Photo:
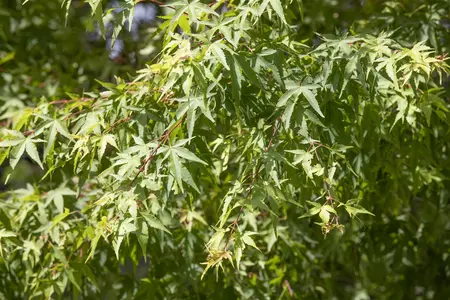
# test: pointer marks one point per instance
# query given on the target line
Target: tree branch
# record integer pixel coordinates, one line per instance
(149, 159)
(250, 188)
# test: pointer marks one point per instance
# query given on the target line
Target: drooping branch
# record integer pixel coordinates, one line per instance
(250, 188)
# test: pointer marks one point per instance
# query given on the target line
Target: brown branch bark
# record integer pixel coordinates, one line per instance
(150, 158)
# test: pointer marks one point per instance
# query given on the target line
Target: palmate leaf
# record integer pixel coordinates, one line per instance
(105, 140)
(248, 240)
(56, 126)
(57, 197)
(306, 91)
(20, 145)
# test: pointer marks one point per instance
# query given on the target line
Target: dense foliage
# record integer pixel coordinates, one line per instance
(249, 159)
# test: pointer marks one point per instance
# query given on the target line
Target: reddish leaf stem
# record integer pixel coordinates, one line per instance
(149, 159)
(275, 130)
(118, 122)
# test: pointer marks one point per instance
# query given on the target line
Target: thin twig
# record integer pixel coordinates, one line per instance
(118, 122)
(287, 286)
(62, 101)
(248, 48)
(74, 114)
(149, 159)
(250, 188)
(65, 101)
(275, 130)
